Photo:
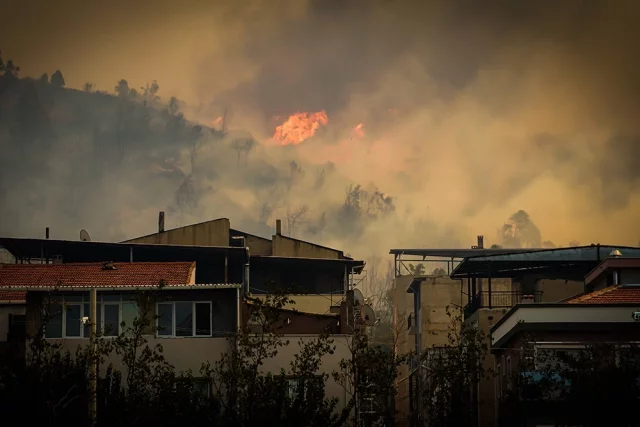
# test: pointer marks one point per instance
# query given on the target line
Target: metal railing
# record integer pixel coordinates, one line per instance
(500, 299)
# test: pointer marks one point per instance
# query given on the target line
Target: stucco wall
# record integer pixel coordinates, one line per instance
(558, 290)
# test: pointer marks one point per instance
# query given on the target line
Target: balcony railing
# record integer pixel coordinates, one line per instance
(500, 299)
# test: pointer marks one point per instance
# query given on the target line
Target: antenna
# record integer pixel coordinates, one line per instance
(84, 236)
(368, 315)
(358, 298)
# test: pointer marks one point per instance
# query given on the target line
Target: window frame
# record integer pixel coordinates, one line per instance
(173, 335)
(82, 300)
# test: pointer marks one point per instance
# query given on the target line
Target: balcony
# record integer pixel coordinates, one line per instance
(500, 299)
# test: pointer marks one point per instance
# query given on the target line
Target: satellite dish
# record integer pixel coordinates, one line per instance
(368, 315)
(84, 236)
(358, 298)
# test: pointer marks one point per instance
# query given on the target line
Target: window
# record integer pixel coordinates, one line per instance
(65, 315)
(298, 387)
(184, 319)
(202, 387)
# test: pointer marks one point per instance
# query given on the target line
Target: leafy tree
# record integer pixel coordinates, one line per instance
(88, 87)
(417, 270)
(368, 377)
(8, 69)
(57, 79)
(596, 385)
(450, 374)
(44, 78)
(122, 89)
(173, 108)
(150, 92)
(250, 397)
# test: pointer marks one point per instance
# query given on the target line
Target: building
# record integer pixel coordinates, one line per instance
(434, 292)
(607, 311)
(195, 319)
(318, 274)
(484, 284)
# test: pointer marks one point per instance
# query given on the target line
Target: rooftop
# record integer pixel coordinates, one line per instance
(455, 253)
(610, 295)
(95, 274)
(612, 262)
(571, 263)
(12, 296)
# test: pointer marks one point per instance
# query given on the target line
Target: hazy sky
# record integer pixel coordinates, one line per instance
(497, 105)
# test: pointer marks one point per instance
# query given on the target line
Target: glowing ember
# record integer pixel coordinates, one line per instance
(358, 131)
(300, 126)
(217, 122)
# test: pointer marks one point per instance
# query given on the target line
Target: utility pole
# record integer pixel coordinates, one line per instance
(93, 372)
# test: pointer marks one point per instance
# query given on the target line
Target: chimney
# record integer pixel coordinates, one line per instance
(480, 242)
(161, 222)
(278, 227)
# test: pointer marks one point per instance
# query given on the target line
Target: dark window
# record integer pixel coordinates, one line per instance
(203, 319)
(54, 326)
(165, 319)
(73, 325)
(111, 320)
(184, 319)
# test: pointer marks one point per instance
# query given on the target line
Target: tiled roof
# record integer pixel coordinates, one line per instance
(12, 296)
(610, 295)
(95, 275)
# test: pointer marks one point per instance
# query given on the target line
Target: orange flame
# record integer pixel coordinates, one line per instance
(299, 126)
(358, 131)
(217, 122)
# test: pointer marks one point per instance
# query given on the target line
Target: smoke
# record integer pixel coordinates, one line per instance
(470, 110)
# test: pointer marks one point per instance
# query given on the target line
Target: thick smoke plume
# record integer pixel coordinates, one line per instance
(443, 119)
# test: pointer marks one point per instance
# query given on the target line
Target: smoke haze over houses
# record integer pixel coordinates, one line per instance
(443, 119)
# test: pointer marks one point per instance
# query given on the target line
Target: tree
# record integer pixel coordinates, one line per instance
(417, 270)
(57, 79)
(249, 397)
(9, 69)
(294, 218)
(243, 147)
(150, 92)
(368, 377)
(172, 107)
(44, 78)
(122, 89)
(591, 385)
(88, 87)
(450, 375)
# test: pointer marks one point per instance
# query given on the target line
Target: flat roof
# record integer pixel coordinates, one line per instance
(612, 262)
(571, 263)
(77, 251)
(455, 253)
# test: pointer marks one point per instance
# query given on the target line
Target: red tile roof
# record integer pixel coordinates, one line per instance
(94, 275)
(12, 296)
(610, 295)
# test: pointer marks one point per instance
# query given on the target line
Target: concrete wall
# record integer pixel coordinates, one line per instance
(437, 294)
(210, 233)
(5, 311)
(558, 290)
(485, 319)
(286, 247)
(316, 304)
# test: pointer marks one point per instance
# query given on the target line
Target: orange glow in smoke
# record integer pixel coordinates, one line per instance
(217, 122)
(358, 131)
(299, 126)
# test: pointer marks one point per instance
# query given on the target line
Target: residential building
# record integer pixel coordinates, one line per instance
(437, 294)
(606, 312)
(195, 319)
(320, 276)
(484, 284)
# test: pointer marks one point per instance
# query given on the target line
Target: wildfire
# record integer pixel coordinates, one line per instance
(358, 131)
(299, 126)
(216, 122)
